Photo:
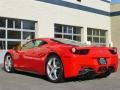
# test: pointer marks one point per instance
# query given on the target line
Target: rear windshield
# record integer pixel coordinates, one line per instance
(68, 41)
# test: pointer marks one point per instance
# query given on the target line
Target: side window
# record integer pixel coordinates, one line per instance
(29, 45)
(38, 43)
(32, 44)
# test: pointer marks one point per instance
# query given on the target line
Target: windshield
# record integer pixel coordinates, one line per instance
(70, 42)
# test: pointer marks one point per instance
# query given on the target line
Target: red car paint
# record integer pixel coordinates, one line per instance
(34, 59)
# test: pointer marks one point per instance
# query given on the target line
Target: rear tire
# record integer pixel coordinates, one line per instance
(54, 69)
(8, 64)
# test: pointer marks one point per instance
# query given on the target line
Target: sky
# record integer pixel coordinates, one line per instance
(116, 1)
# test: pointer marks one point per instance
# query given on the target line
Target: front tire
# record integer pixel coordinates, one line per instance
(54, 69)
(8, 65)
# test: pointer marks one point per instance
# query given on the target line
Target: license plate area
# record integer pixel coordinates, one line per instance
(102, 61)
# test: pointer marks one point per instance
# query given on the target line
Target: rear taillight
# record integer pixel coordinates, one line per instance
(80, 51)
(113, 50)
(73, 50)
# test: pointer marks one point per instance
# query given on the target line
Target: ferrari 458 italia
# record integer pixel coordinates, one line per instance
(62, 58)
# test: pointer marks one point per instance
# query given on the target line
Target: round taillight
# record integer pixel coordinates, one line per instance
(74, 50)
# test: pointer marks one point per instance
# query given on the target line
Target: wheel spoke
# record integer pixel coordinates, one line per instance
(6, 65)
(9, 65)
(55, 74)
(9, 62)
(57, 67)
(50, 72)
(49, 66)
(54, 62)
(49, 69)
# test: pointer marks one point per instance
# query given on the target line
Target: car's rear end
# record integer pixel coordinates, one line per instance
(90, 60)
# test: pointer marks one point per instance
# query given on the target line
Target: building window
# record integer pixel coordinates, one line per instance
(2, 34)
(68, 32)
(15, 31)
(18, 24)
(2, 45)
(14, 34)
(96, 36)
(28, 25)
(2, 22)
(10, 23)
(13, 44)
(28, 35)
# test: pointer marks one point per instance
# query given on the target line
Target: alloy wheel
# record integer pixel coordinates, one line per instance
(54, 69)
(8, 63)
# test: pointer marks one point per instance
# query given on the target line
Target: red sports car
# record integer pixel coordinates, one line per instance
(62, 58)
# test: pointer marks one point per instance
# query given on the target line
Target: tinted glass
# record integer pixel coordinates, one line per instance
(2, 22)
(38, 43)
(77, 30)
(29, 45)
(2, 45)
(14, 34)
(29, 25)
(102, 33)
(58, 28)
(96, 39)
(18, 24)
(77, 38)
(89, 31)
(28, 35)
(70, 29)
(58, 35)
(68, 36)
(10, 23)
(13, 44)
(89, 39)
(68, 41)
(102, 40)
(2, 34)
(95, 32)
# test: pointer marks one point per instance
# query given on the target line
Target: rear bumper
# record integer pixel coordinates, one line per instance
(76, 66)
(102, 69)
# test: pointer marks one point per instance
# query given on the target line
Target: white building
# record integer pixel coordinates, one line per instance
(115, 25)
(81, 20)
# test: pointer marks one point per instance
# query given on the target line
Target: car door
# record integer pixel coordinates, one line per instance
(32, 52)
(27, 55)
(38, 53)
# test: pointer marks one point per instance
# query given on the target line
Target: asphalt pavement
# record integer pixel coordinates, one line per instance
(26, 81)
